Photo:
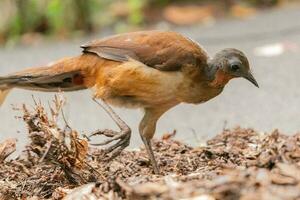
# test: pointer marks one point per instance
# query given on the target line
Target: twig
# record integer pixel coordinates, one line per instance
(49, 143)
(23, 185)
(65, 120)
(99, 174)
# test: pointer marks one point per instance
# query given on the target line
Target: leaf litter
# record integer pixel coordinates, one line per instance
(58, 163)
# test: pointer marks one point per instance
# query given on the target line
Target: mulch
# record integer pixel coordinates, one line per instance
(58, 163)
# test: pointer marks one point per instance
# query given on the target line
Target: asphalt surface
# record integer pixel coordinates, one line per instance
(275, 105)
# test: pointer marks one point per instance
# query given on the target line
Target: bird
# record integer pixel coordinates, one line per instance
(153, 70)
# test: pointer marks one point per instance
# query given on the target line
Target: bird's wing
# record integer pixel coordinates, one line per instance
(166, 51)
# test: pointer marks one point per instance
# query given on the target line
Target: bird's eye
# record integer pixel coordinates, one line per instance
(234, 67)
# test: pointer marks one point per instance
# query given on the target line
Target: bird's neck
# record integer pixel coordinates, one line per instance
(211, 70)
(216, 76)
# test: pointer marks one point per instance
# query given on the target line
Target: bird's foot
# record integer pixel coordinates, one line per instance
(122, 137)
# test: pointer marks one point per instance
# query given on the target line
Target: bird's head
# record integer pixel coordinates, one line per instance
(228, 64)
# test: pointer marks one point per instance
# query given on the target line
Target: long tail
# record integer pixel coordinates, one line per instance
(68, 74)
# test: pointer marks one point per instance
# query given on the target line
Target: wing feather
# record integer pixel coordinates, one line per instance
(166, 51)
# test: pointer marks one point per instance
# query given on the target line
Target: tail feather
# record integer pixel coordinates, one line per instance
(67, 74)
(49, 83)
(64, 75)
(6, 80)
(3, 95)
(67, 81)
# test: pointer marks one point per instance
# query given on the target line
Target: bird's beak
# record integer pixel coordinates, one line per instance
(251, 78)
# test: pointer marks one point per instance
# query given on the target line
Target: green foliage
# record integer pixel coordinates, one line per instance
(55, 14)
(23, 16)
(136, 11)
(62, 17)
(49, 16)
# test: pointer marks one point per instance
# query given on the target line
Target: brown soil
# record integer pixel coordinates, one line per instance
(236, 164)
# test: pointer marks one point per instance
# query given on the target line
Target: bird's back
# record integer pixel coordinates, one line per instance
(163, 50)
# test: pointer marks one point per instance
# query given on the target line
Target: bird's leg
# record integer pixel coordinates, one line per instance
(148, 147)
(123, 136)
(147, 130)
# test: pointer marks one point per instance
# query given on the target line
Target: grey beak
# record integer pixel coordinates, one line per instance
(250, 78)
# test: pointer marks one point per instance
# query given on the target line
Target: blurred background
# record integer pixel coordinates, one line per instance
(27, 20)
(36, 32)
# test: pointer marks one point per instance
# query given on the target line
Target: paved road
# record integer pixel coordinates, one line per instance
(275, 105)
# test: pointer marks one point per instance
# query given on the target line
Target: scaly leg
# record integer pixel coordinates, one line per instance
(123, 136)
(150, 153)
(147, 130)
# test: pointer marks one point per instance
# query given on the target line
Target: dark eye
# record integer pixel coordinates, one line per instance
(234, 67)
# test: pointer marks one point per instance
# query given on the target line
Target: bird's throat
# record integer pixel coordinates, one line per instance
(220, 79)
(217, 77)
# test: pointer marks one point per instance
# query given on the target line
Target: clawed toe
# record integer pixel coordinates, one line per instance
(122, 138)
(112, 151)
(105, 132)
(116, 136)
(116, 151)
(124, 141)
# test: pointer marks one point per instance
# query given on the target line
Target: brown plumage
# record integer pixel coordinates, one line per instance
(154, 70)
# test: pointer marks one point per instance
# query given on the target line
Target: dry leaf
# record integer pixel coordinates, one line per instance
(81, 148)
(283, 180)
(188, 14)
(83, 192)
(289, 170)
(242, 11)
(7, 148)
(201, 197)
